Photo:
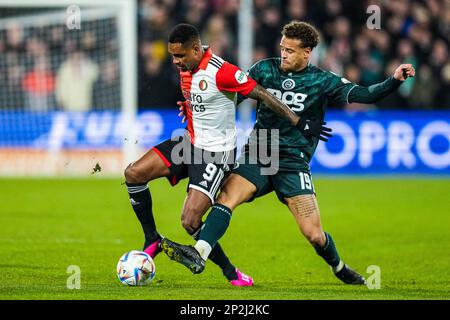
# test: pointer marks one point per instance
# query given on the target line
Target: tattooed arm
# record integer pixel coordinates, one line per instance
(261, 94)
(308, 127)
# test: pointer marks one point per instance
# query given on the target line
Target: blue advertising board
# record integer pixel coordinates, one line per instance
(364, 142)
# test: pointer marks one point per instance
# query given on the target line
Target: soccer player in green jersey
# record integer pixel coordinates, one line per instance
(210, 86)
(306, 89)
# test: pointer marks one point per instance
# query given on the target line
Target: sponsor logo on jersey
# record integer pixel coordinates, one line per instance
(197, 102)
(196, 98)
(240, 76)
(288, 84)
(204, 184)
(290, 98)
(203, 85)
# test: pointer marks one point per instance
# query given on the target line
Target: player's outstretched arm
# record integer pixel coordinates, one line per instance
(308, 127)
(380, 90)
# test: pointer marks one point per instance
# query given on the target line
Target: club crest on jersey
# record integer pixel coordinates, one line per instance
(288, 84)
(203, 85)
(240, 76)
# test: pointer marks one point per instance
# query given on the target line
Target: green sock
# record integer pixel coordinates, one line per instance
(215, 224)
(329, 252)
(219, 257)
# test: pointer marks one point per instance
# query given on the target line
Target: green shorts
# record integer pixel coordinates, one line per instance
(286, 184)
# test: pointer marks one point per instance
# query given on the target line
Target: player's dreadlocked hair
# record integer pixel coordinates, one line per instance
(184, 33)
(302, 31)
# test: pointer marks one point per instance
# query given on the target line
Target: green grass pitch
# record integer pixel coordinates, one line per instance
(401, 225)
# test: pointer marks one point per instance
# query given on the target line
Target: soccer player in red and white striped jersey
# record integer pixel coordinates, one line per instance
(210, 86)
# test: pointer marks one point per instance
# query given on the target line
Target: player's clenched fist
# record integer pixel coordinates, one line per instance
(404, 71)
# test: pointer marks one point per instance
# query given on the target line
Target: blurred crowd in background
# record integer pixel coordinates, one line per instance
(45, 66)
(416, 32)
(48, 67)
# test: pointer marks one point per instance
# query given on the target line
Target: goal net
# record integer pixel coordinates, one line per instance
(67, 86)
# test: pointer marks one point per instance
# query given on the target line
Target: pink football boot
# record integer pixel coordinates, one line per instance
(242, 281)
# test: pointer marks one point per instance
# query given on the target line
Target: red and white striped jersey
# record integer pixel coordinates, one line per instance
(211, 95)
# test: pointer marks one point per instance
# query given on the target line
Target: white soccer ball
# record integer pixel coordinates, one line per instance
(136, 268)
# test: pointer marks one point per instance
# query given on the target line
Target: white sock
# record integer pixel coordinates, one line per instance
(338, 267)
(204, 248)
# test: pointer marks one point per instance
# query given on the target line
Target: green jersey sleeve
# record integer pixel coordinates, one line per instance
(337, 88)
(340, 89)
(373, 93)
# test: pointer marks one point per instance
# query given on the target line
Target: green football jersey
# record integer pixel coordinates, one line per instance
(306, 92)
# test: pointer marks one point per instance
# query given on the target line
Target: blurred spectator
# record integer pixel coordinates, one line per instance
(158, 78)
(439, 55)
(39, 85)
(296, 10)
(56, 40)
(406, 54)
(218, 36)
(14, 39)
(197, 12)
(425, 88)
(74, 82)
(443, 21)
(12, 96)
(268, 33)
(443, 96)
(107, 88)
(12, 70)
(89, 42)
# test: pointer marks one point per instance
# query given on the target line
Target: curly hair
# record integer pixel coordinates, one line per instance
(183, 33)
(306, 33)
